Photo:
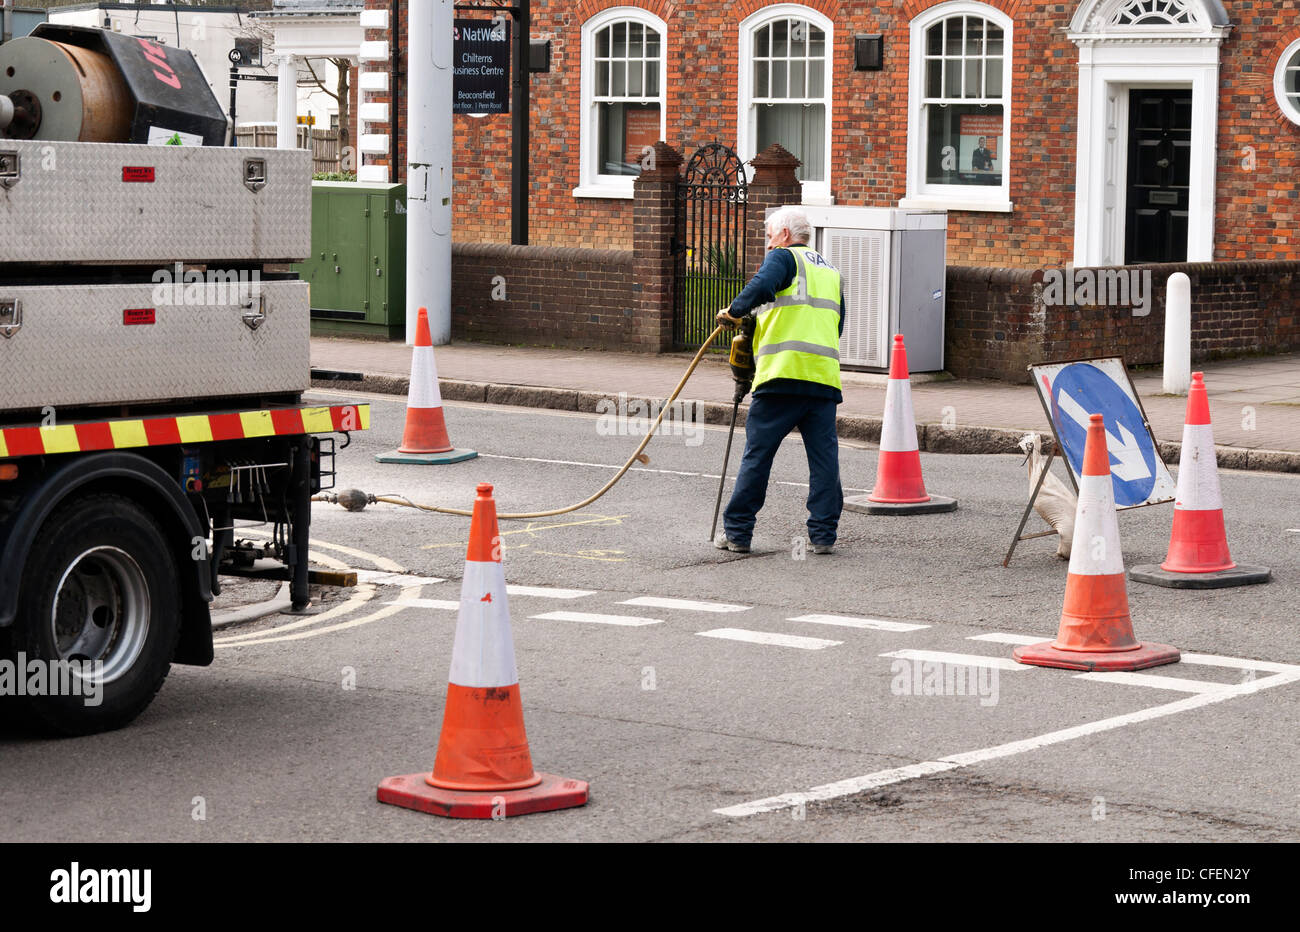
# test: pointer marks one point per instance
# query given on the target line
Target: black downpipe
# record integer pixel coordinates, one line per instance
(519, 130)
(394, 108)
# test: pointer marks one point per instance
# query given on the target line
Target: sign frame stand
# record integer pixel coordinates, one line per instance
(1029, 507)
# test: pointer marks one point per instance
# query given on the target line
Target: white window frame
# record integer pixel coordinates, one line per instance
(1290, 109)
(814, 192)
(591, 182)
(920, 193)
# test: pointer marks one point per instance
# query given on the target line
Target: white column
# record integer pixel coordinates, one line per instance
(1178, 334)
(286, 111)
(428, 178)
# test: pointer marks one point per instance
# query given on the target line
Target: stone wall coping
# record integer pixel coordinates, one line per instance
(543, 253)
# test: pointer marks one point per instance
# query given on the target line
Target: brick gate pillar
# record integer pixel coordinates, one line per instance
(774, 185)
(654, 225)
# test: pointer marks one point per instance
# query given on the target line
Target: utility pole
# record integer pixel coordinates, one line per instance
(428, 166)
(7, 26)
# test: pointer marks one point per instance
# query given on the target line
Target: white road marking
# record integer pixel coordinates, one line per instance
(629, 621)
(359, 597)
(1214, 660)
(385, 612)
(767, 637)
(382, 563)
(1208, 660)
(966, 759)
(544, 592)
(445, 604)
(395, 579)
(849, 621)
(362, 595)
(1127, 678)
(998, 638)
(958, 660)
(690, 605)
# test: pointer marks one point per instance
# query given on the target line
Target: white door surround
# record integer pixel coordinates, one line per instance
(1125, 44)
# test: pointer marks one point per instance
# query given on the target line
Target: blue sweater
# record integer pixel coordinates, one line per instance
(777, 274)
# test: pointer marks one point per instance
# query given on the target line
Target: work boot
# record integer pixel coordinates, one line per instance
(722, 542)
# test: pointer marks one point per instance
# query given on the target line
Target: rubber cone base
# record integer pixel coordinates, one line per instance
(426, 459)
(1239, 575)
(863, 505)
(1146, 655)
(412, 791)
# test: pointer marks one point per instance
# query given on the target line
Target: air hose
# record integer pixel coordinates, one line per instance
(356, 500)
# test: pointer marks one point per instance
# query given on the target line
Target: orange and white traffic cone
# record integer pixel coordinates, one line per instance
(1096, 631)
(899, 488)
(1198, 544)
(483, 768)
(424, 439)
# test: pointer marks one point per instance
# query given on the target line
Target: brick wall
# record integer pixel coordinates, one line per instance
(396, 166)
(1256, 210)
(543, 295)
(998, 321)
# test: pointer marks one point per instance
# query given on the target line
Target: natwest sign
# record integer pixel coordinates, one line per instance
(481, 73)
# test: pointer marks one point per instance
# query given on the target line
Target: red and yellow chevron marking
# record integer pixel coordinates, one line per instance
(192, 428)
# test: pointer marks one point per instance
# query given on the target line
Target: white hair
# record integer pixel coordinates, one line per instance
(792, 219)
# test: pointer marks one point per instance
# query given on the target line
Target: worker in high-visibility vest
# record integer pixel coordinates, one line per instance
(798, 302)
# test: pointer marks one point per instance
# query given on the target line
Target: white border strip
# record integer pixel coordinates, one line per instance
(959, 660)
(849, 621)
(690, 605)
(543, 592)
(767, 637)
(1126, 678)
(627, 621)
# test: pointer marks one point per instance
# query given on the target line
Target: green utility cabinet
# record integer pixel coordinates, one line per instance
(357, 269)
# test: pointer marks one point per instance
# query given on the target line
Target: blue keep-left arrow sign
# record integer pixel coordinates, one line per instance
(1080, 390)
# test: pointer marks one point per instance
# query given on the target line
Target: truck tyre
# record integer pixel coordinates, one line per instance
(100, 584)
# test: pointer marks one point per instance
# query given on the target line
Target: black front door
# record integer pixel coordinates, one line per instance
(1159, 172)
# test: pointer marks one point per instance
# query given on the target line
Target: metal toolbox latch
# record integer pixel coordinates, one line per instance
(255, 174)
(10, 169)
(11, 317)
(255, 312)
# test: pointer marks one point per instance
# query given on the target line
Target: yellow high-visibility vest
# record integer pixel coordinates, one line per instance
(798, 334)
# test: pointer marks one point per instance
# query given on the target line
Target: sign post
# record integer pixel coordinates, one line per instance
(1072, 391)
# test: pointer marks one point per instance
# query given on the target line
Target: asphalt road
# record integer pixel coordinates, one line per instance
(823, 699)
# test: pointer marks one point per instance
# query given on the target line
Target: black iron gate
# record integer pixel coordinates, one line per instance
(711, 212)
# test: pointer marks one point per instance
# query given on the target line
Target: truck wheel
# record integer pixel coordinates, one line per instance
(100, 585)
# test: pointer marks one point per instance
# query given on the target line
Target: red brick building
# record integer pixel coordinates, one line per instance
(1098, 133)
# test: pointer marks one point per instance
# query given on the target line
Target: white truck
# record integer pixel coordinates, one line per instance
(154, 349)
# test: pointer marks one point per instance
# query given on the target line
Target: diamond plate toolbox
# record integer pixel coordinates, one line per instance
(82, 344)
(88, 202)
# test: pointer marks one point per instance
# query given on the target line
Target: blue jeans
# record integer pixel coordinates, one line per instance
(771, 417)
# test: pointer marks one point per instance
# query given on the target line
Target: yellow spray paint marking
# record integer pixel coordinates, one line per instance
(533, 528)
(603, 556)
